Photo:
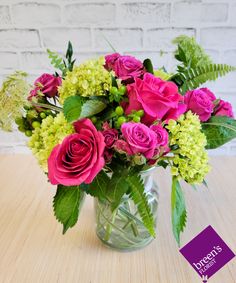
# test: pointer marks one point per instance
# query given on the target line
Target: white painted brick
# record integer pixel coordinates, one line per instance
(91, 13)
(196, 12)
(121, 39)
(12, 137)
(227, 82)
(144, 13)
(230, 57)
(35, 60)
(35, 14)
(214, 55)
(232, 15)
(8, 60)
(57, 37)
(19, 38)
(4, 16)
(218, 37)
(216, 12)
(162, 38)
(83, 56)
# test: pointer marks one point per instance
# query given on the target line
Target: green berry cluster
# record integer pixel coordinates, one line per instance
(31, 121)
(116, 94)
(135, 116)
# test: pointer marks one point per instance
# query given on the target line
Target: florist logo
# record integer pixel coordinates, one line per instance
(207, 253)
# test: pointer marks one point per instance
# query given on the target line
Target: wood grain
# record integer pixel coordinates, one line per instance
(33, 249)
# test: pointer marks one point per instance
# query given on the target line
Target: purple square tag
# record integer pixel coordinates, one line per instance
(207, 252)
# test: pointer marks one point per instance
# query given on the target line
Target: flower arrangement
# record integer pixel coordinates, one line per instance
(95, 126)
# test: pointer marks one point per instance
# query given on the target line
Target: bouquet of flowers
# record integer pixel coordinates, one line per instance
(97, 127)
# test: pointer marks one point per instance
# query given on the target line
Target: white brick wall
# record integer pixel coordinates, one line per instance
(139, 27)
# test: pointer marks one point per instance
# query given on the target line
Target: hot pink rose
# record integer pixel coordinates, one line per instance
(140, 138)
(162, 135)
(128, 67)
(110, 61)
(110, 136)
(224, 108)
(79, 158)
(47, 84)
(159, 99)
(200, 101)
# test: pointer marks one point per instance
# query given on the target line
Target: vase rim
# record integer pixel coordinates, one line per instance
(148, 170)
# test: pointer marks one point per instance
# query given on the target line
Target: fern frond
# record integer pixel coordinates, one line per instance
(192, 78)
(139, 198)
(56, 60)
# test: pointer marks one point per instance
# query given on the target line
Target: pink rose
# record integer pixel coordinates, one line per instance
(128, 68)
(140, 138)
(110, 61)
(47, 84)
(224, 108)
(79, 158)
(162, 135)
(159, 99)
(200, 101)
(110, 136)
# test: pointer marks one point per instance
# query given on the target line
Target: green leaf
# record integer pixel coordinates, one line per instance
(98, 187)
(190, 53)
(196, 66)
(219, 130)
(137, 193)
(72, 108)
(69, 51)
(178, 209)
(117, 186)
(163, 164)
(67, 203)
(92, 107)
(148, 65)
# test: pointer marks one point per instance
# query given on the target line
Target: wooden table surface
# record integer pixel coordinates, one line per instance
(33, 249)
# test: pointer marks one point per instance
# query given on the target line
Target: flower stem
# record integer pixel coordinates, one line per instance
(47, 106)
(109, 226)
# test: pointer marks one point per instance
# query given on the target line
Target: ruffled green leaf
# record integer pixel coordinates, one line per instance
(67, 204)
(219, 130)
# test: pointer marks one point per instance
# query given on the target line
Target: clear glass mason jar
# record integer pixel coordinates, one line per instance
(123, 228)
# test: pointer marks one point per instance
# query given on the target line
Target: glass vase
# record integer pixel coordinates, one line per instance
(123, 229)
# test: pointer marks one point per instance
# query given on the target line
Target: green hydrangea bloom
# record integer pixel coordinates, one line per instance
(190, 160)
(45, 138)
(87, 79)
(13, 96)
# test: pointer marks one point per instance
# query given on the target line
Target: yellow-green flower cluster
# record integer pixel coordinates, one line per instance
(87, 79)
(13, 96)
(51, 133)
(190, 160)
